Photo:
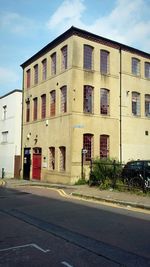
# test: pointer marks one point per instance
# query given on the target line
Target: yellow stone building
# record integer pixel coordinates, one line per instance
(83, 93)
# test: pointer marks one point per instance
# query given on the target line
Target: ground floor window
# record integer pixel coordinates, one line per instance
(62, 163)
(88, 145)
(52, 158)
(104, 146)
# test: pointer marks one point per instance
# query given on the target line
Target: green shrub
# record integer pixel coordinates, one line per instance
(105, 169)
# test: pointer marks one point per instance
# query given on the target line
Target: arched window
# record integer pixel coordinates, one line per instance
(104, 101)
(88, 145)
(88, 57)
(104, 146)
(104, 62)
(135, 103)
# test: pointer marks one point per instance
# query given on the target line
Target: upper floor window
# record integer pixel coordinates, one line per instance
(88, 145)
(44, 69)
(88, 57)
(52, 103)
(135, 66)
(135, 103)
(35, 103)
(4, 112)
(147, 70)
(53, 63)
(64, 51)
(88, 99)
(62, 163)
(104, 62)
(147, 105)
(28, 78)
(52, 158)
(36, 74)
(4, 136)
(104, 146)
(27, 111)
(63, 99)
(104, 101)
(43, 106)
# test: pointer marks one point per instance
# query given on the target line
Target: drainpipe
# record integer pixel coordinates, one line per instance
(22, 155)
(120, 119)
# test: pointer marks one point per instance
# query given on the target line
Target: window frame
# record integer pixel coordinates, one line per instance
(27, 110)
(62, 158)
(44, 69)
(136, 66)
(88, 144)
(88, 52)
(147, 70)
(28, 78)
(136, 107)
(63, 103)
(36, 74)
(147, 105)
(104, 62)
(104, 146)
(104, 96)
(43, 106)
(88, 99)
(53, 63)
(53, 103)
(52, 154)
(64, 57)
(35, 108)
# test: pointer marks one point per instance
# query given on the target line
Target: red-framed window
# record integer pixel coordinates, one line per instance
(104, 101)
(53, 63)
(36, 73)
(27, 111)
(88, 99)
(28, 78)
(147, 70)
(62, 163)
(135, 66)
(88, 145)
(104, 146)
(43, 106)
(104, 61)
(35, 108)
(52, 103)
(44, 69)
(64, 52)
(63, 99)
(88, 57)
(52, 158)
(135, 103)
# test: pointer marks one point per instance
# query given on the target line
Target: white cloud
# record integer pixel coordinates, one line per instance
(128, 22)
(15, 23)
(8, 75)
(68, 13)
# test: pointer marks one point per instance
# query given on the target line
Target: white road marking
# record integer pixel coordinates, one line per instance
(66, 264)
(24, 246)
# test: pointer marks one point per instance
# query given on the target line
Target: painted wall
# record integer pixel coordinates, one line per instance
(68, 129)
(12, 125)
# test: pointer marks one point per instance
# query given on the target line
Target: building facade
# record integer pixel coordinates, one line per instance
(83, 91)
(10, 134)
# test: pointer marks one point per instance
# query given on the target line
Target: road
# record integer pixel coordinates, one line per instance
(40, 226)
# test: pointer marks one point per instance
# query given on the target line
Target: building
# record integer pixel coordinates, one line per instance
(84, 91)
(10, 134)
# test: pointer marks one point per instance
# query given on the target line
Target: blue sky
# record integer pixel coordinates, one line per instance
(28, 25)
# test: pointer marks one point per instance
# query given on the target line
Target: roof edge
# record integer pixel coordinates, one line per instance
(85, 34)
(11, 92)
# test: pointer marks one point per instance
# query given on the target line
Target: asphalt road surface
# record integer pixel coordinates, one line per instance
(46, 227)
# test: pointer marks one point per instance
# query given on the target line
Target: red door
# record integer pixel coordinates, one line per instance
(36, 169)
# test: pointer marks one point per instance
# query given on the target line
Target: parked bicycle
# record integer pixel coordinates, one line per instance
(139, 182)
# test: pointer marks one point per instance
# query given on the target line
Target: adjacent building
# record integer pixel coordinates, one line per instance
(10, 134)
(83, 91)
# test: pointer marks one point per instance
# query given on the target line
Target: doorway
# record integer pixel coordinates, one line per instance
(26, 163)
(36, 166)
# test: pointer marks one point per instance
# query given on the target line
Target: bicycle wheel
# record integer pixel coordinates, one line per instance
(136, 183)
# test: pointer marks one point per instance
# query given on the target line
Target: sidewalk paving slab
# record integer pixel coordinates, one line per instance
(86, 192)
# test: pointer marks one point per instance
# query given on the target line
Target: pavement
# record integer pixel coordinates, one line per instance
(91, 193)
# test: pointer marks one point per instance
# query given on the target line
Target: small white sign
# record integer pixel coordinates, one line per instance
(84, 151)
